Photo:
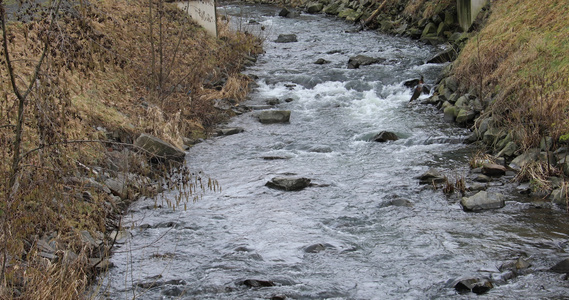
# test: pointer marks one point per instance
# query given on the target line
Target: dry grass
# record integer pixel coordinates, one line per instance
(97, 74)
(521, 58)
(423, 9)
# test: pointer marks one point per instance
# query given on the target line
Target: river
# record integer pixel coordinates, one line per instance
(340, 238)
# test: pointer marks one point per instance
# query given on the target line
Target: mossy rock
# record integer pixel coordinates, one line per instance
(465, 115)
(332, 9)
(450, 113)
(314, 7)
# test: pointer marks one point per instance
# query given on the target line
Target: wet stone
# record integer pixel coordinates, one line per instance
(288, 183)
(316, 248)
(561, 267)
(256, 283)
(173, 292)
(493, 170)
(474, 285)
(385, 136)
(286, 38)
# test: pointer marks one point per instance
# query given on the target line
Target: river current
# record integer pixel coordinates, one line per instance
(368, 249)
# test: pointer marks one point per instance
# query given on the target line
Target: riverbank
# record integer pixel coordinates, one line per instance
(364, 227)
(89, 80)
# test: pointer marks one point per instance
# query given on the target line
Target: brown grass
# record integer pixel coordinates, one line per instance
(521, 58)
(97, 74)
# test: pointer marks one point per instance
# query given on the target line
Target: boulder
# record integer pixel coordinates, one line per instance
(284, 12)
(332, 9)
(350, 15)
(286, 38)
(515, 265)
(256, 283)
(273, 101)
(464, 116)
(492, 135)
(411, 83)
(318, 248)
(314, 7)
(274, 116)
(559, 197)
(385, 136)
(288, 183)
(362, 60)
(159, 148)
(522, 160)
(493, 169)
(229, 131)
(321, 61)
(474, 285)
(396, 202)
(561, 267)
(450, 113)
(482, 201)
(508, 150)
(482, 178)
(432, 176)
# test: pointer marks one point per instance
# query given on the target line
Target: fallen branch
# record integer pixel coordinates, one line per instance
(373, 15)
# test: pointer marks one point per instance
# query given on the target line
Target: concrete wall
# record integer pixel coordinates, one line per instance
(204, 12)
(467, 10)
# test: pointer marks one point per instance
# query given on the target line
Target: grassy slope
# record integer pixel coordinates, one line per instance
(98, 74)
(521, 60)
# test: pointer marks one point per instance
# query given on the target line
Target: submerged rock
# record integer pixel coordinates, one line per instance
(482, 201)
(254, 283)
(229, 131)
(432, 176)
(362, 60)
(321, 61)
(561, 267)
(288, 183)
(274, 116)
(474, 285)
(385, 136)
(318, 248)
(286, 38)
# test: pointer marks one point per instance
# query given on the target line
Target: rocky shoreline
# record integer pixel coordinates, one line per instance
(484, 187)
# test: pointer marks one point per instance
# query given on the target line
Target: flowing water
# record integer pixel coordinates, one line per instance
(368, 249)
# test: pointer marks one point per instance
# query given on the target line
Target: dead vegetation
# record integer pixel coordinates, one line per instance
(76, 86)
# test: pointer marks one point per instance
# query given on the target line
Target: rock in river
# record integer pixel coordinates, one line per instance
(475, 285)
(432, 176)
(288, 183)
(385, 136)
(561, 267)
(286, 38)
(362, 60)
(482, 200)
(274, 116)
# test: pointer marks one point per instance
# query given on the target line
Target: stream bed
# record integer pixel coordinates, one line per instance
(344, 237)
